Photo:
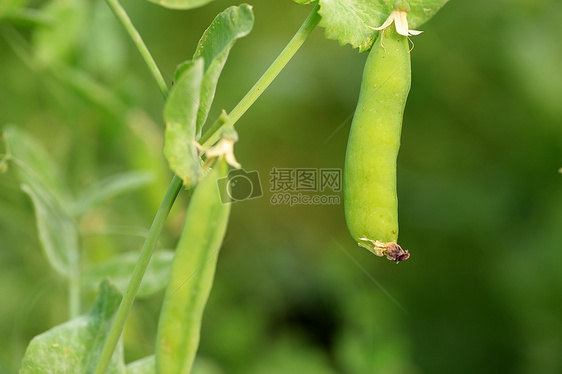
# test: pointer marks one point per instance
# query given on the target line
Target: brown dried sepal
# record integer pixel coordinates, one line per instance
(391, 250)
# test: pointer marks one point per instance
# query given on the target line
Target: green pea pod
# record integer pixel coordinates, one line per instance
(371, 204)
(192, 275)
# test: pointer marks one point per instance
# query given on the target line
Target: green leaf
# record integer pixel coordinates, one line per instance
(347, 20)
(109, 188)
(35, 165)
(181, 4)
(119, 269)
(214, 46)
(423, 10)
(41, 180)
(75, 346)
(57, 231)
(180, 114)
(194, 89)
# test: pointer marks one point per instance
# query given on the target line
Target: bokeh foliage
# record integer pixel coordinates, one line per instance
(480, 195)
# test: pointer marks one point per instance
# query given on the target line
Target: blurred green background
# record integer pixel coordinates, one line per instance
(478, 182)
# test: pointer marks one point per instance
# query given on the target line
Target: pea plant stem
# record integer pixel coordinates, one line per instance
(138, 273)
(213, 133)
(122, 16)
(208, 138)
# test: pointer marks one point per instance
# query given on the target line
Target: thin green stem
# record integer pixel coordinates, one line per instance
(161, 215)
(213, 133)
(135, 36)
(138, 273)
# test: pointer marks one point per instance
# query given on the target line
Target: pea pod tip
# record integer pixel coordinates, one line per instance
(396, 253)
(391, 250)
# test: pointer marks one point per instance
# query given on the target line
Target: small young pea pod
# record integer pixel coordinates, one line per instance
(371, 204)
(192, 275)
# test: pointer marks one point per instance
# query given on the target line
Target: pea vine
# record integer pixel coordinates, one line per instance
(199, 150)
